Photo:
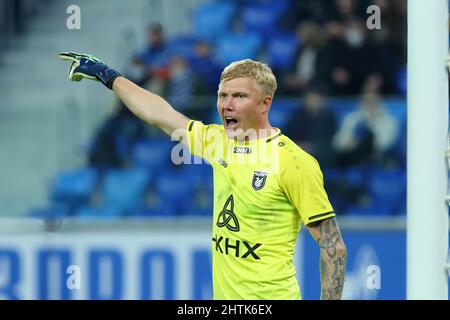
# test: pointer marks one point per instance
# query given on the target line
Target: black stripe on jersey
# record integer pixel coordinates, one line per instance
(274, 137)
(320, 215)
(190, 125)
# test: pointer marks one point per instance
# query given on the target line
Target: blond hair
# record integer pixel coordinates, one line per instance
(260, 72)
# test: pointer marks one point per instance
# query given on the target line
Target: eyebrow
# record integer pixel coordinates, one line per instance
(234, 93)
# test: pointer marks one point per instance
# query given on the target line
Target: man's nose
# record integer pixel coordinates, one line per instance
(229, 103)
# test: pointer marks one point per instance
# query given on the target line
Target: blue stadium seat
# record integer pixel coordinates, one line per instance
(289, 105)
(332, 174)
(212, 20)
(281, 50)
(355, 176)
(342, 107)
(107, 211)
(280, 111)
(122, 191)
(73, 188)
(388, 187)
(279, 118)
(260, 18)
(152, 153)
(174, 187)
(196, 209)
(238, 46)
(182, 45)
(125, 188)
(197, 174)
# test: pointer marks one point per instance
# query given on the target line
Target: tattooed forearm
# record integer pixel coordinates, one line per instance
(333, 257)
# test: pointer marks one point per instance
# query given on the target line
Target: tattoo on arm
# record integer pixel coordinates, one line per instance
(333, 257)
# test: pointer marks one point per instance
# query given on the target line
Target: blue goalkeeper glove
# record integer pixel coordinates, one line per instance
(89, 67)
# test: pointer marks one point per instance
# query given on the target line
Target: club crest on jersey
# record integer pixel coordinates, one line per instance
(259, 180)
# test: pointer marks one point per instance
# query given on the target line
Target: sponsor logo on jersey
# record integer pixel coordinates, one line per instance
(244, 150)
(229, 246)
(227, 218)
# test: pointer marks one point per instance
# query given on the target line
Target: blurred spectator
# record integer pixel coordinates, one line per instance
(344, 10)
(180, 90)
(114, 138)
(366, 135)
(391, 43)
(154, 60)
(180, 87)
(351, 58)
(308, 61)
(206, 69)
(313, 126)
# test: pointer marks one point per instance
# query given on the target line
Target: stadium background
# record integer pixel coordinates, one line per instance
(84, 183)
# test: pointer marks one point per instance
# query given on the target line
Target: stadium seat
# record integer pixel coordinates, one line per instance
(151, 153)
(260, 18)
(212, 20)
(174, 187)
(388, 187)
(280, 111)
(342, 107)
(182, 45)
(281, 50)
(125, 188)
(73, 188)
(121, 192)
(197, 174)
(238, 46)
(194, 208)
(107, 211)
(355, 176)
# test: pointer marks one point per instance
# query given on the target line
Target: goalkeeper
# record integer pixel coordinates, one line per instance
(265, 186)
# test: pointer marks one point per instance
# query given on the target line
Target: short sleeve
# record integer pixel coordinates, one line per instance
(302, 181)
(204, 141)
(195, 132)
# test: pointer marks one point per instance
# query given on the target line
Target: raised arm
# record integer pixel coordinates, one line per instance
(149, 107)
(333, 257)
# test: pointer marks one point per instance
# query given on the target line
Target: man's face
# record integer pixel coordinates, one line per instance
(241, 105)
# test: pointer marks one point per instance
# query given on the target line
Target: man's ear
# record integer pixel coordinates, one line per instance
(265, 104)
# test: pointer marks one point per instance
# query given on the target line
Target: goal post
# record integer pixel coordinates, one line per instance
(427, 132)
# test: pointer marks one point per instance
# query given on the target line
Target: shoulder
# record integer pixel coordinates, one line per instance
(198, 125)
(293, 156)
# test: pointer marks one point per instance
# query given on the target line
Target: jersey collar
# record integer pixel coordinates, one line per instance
(268, 139)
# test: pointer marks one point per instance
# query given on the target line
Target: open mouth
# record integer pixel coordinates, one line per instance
(231, 122)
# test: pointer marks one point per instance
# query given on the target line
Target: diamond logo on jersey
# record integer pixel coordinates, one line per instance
(227, 218)
(259, 180)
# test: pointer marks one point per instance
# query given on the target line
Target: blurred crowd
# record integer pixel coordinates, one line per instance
(329, 44)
